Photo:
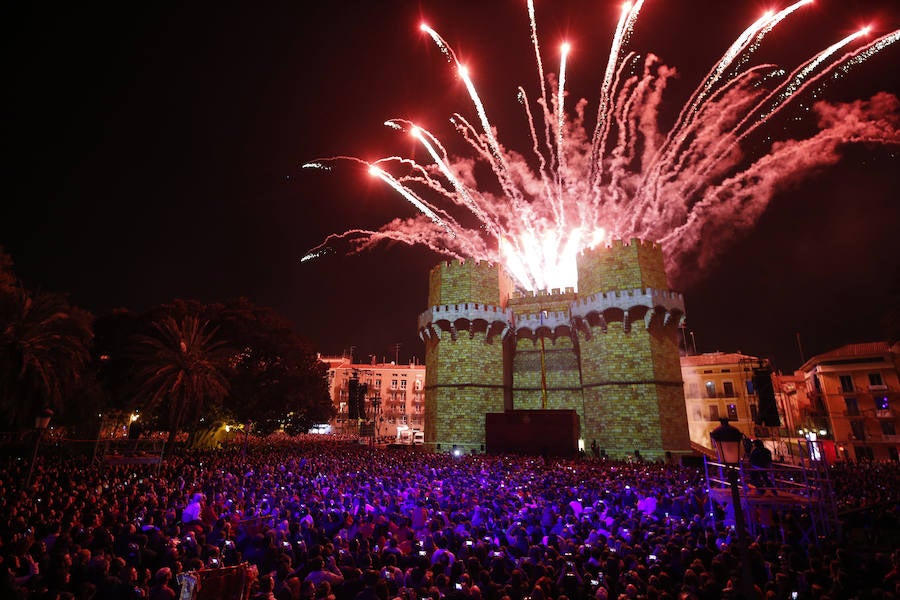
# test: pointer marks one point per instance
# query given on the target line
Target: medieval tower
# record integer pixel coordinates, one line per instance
(608, 353)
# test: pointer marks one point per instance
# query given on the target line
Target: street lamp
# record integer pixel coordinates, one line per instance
(729, 441)
(41, 423)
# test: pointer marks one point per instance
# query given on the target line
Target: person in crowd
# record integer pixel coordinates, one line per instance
(341, 521)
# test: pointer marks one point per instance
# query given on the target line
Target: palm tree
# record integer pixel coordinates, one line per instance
(180, 369)
(44, 351)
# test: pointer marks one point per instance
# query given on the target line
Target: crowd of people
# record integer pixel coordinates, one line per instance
(318, 520)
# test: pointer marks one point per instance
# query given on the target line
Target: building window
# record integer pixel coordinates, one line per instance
(750, 389)
(888, 428)
(401, 408)
(378, 383)
(713, 413)
(693, 390)
(402, 384)
(859, 430)
(846, 383)
(393, 384)
(875, 379)
(710, 389)
(728, 389)
(852, 407)
(418, 384)
(732, 412)
(698, 413)
(881, 403)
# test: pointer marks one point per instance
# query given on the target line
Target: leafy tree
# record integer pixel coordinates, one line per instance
(179, 367)
(276, 377)
(114, 339)
(44, 350)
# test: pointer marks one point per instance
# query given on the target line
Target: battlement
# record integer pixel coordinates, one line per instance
(622, 265)
(671, 302)
(466, 264)
(474, 281)
(568, 293)
(619, 243)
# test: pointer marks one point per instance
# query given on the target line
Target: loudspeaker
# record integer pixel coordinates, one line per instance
(353, 406)
(768, 409)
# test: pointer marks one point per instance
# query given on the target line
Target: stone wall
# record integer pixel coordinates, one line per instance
(621, 266)
(620, 371)
(463, 382)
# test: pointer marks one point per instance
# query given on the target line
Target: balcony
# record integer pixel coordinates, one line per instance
(886, 413)
(878, 388)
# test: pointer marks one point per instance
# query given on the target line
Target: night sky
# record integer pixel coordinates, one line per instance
(156, 153)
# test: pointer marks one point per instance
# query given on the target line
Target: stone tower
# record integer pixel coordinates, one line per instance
(627, 322)
(464, 330)
(609, 352)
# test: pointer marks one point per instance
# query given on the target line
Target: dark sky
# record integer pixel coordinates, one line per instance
(156, 154)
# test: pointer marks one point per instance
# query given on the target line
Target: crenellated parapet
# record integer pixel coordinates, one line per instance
(547, 323)
(664, 306)
(457, 282)
(621, 266)
(471, 317)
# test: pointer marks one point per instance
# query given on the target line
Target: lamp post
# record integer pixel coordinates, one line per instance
(376, 411)
(729, 441)
(41, 422)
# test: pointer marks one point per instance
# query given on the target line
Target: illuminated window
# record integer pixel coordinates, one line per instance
(710, 389)
(881, 403)
(732, 412)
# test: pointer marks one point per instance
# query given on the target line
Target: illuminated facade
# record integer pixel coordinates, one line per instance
(393, 396)
(609, 352)
(717, 385)
(854, 394)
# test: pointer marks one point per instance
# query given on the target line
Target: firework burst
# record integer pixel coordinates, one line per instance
(584, 181)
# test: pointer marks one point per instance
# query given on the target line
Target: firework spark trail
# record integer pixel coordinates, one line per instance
(535, 147)
(429, 141)
(796, 79)
(739, 195)
(622, 175)
(543, 87)
(742, 59)
(623, 32)
(413, 199)
(797, 82)
(739, 52)
(560, 113)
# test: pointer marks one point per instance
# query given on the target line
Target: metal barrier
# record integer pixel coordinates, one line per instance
(768, 495)
(223, 583)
